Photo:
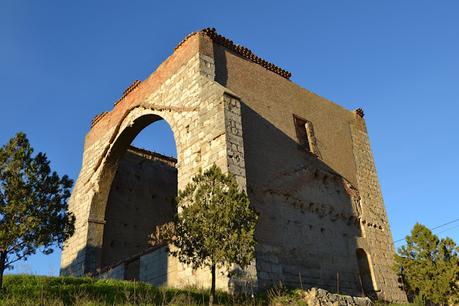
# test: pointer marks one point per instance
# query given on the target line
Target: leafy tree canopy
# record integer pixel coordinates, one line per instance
(33, 203)
(215, 224)
(429, 266)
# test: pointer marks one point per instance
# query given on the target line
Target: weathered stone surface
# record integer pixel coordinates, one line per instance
(116, 273)
(142, 196)
(320, 297)
(322, 219)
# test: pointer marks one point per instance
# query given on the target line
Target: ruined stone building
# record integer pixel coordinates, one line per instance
(305, 162)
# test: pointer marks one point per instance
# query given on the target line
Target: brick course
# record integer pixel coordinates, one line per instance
(317, 209)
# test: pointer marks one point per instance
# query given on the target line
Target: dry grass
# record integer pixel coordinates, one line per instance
(33, 290)
(29, 290)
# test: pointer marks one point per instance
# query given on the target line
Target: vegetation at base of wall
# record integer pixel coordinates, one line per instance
(215, 225)
(34, 290)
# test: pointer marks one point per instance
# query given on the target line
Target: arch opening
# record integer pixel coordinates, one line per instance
(365, 273)
(138, 192)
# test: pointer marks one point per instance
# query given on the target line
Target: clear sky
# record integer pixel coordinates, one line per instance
(62, 62)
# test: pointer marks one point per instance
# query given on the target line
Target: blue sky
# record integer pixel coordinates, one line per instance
(62, 62)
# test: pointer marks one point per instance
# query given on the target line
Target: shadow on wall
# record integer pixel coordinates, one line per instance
(221, 71)
(78, 266)
(142, 196)
(309, 214)
(308, 222)
(365, 272)
(150, 266)
(137, 191)
(308, 225)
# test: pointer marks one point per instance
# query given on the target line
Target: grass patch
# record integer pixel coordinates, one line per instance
(32, 290)
(35, 290)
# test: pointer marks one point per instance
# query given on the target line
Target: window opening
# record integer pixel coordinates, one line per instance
(305, 134)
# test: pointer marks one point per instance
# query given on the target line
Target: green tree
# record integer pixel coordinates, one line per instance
(429, 266)
(215, 224)
(33, 204)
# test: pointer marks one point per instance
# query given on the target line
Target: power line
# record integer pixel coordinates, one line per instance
(445, 230)
(445, 224)
(436, 227)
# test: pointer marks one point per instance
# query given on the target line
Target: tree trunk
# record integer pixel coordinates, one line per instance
(2, 267)
(212, 289)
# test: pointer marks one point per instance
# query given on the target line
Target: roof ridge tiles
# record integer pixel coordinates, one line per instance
(238, 49)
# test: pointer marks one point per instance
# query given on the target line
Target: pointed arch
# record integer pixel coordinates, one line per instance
(365, 272)
(129, 128)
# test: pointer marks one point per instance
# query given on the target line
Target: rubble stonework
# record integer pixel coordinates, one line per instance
(322, 219)
(320, 297)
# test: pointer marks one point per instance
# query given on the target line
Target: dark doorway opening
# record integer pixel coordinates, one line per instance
(365, 273)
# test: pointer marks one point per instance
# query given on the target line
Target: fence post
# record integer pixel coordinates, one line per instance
(301, 282)
(337, 282)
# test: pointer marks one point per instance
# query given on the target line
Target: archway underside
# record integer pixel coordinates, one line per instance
(137, 190)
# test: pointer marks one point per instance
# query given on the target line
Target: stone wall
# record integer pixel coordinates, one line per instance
(116, 272)
(319, 297)
(312, 217)
(376, 237)
(317, 208)
(155, 266)
(308, 206)
(183, 93)
(142, 196)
